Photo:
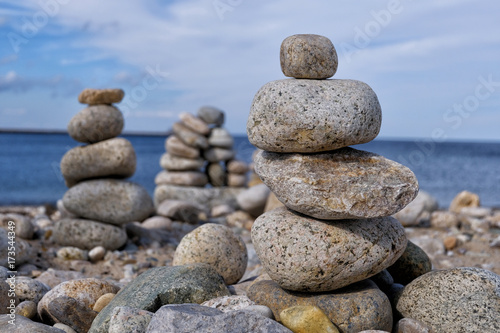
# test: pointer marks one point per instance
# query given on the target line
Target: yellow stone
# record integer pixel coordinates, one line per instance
(307, 319)
(103, 301)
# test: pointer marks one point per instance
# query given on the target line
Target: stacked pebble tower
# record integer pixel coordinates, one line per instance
(199, 152)
(98, 197)
(336, 227)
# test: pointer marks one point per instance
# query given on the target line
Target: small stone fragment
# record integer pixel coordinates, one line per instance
(26, 309)
(179, 210)
(175, 146)
(464, 199)
(97, 253)
(184, 178)
(194, 123)
(220, 137)
(175, 163)
(307, 318)
(127, 319)
(100, 96)
(211, 115)
(103, 301)
(189, 137)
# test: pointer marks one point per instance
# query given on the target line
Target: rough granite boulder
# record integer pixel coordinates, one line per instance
(305, 254)
(309, 116)
(341, 184)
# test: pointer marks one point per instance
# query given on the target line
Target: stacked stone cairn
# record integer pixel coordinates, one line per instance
(336, 229)
(98, 197)
(199, 153)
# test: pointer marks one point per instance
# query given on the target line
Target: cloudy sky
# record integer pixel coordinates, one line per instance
(435, 65)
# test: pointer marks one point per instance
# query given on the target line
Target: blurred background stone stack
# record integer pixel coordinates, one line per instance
(99, 201)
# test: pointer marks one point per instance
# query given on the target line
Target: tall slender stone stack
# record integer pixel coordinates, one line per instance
(335, 229)
(94, 172)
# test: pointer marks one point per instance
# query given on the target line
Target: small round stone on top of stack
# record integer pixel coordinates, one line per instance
(336, 227)
(101, 202)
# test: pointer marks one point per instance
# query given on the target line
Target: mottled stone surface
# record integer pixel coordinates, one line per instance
(218, 154)
(220, 137)
(179, 210)
(87, 234)
(310, 116)
(216, 174)
(465, 299)
(229, 303)
(22, 224)
(109, 200)
(207, 197)
(307, 318)
(189, 137)
(112, 158)
(100, 96)
(71, 253)
(408, 325)
(171, 162)
(127, 319)
(96, 123)
(342, 184)
(358, 307)
(175, 146)
(211, 115)
(25, 308)
(52, 277)
(410, 265)
(305, 254)
(195, 283)
(24, 251)
(23, 324)
(194, 123)
(28, 289)
(86, 291)
(71, 312)
(308, 56)
(464, 199)
(197, 318)
(185, 178)
(216, 245)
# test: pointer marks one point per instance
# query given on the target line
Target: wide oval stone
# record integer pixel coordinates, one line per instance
(360, 306)
(308, 56)
(96, 123)
(341, 184)
(185, 178)
(101, 96)
(308, 116)
(464, 299)
(87, 234)
(172, 162)
(109, 200)
(113, 157)
(305, 254)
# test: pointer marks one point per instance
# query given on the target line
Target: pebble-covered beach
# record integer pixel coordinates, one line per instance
(313, 236)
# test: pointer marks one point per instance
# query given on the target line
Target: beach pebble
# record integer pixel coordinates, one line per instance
(194, 283)
(179, 210)
(216, 174)
(444, 220)
(26, 309)
(100, 96)
(175, 163)
(189, 137)
(216, 245)
(211, 115)
(27, 289)
(429, 245)
(113, 158)
(360, 306)
(84, 291)
(421, 206)
(205, 197)
(464, 199)
(23, 249)
(307, 318)
(194, 123)
(239, 219)
(308, 116)
(72, 312)
(477, 212)
(328, 254)
(157, 222)
(24, 324)
(220, 137)
(96, 123)
(218, 154)
(383, 279)
(237, 167)
(229, 303)
(464, 299)
(185, 178)
(409, 325)
(221, 210)
(87, 234)
(236, 180)
(52, 277)
(272, 202)
(197, 318)
(342, 184)
(308, 56)
(127, 319)
(103, 301)
(22, 225)
(253, 200)
(71, 253)
(109, 201)
(261, 310)
(97, 253)
(64, 328)
(413, 263)
(176, 147)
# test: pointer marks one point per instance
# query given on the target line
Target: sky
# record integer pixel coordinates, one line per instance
(434, 65)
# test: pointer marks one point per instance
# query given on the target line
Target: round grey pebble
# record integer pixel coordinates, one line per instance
(96, 123)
